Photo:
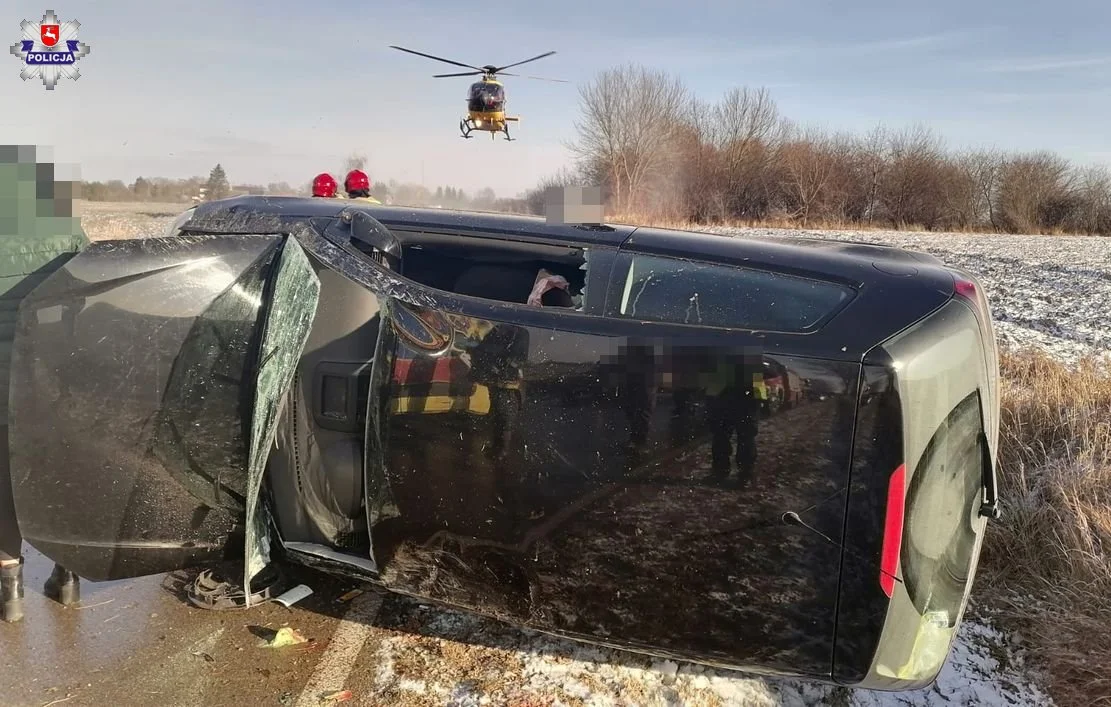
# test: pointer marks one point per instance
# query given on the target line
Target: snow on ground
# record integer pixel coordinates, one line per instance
(1050, 292)
(462, 660)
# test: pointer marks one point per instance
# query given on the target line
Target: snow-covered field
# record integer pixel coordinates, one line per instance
(1051, 292)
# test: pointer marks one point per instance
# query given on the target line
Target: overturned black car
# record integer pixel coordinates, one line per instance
(776, 455)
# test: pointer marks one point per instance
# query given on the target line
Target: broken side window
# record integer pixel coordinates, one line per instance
(679, 291)
(529, 274)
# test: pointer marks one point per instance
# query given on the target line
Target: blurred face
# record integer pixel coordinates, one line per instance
(36, 196)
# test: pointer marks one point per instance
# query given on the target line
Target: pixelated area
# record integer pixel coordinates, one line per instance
(662, 362)
(574, 205)
(37, 196)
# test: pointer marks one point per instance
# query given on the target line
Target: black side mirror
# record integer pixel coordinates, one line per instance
(360, 233)
(367, 229)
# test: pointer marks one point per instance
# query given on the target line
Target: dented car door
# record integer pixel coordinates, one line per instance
(137, 414)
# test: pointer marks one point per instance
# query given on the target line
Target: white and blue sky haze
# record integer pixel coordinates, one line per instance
(282, 90)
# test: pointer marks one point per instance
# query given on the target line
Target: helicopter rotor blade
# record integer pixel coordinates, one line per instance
(437, 58)
(539, 56)
(542, 78)
(465, 73)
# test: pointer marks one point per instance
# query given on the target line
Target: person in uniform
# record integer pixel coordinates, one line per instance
(734, 392)
(38, 234)
(324, 186)
(357, 186)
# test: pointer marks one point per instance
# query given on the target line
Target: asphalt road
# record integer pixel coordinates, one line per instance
(138, 642)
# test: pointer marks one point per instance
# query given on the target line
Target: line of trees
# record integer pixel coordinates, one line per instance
(217, 186)
(659, 152)
(170, 191)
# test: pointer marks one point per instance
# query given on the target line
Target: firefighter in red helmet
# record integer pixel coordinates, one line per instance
(324, 185)
(357, 186)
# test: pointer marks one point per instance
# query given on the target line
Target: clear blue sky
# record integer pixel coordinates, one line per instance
(281, 90)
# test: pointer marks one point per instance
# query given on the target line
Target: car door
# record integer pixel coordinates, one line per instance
(145, 381)
(570, 486)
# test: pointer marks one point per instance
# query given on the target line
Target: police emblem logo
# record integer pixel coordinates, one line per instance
(49, 50)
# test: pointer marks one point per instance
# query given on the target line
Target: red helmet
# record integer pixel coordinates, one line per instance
(356, 180)
(324, 185)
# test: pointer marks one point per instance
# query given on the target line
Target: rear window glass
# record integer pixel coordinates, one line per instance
(687, 292)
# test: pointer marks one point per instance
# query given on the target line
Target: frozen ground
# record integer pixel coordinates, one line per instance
(1049, 292)
(1045, 291)
(461, 660)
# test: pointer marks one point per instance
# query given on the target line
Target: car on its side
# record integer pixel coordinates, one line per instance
(368, 390)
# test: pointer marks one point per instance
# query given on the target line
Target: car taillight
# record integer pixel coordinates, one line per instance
(968, 290)
(893, 529)
(975, 298)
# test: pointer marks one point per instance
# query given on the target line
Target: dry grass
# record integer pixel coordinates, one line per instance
(1052, 549)
(84, 206)
(112, 224)
(796, 225)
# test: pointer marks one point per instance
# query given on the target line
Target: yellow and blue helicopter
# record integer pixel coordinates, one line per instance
(486, 98)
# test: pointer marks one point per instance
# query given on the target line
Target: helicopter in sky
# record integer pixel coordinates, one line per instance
(486, 98)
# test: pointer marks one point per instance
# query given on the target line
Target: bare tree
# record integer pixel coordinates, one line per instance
(843, 202)
(742, 123)
(743, 116)
(1034, 192)
(1093, 193)
(982, 169)
(698, 166)
(630, 116)
(808, 162)
(913, 183)
(354, 161)
(872, 151)
(959, 192)
(600, 138)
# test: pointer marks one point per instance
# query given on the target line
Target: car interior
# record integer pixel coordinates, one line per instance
(317, 482)
(491, 268)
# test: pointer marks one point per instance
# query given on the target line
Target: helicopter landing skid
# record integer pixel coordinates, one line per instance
(466, 128)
